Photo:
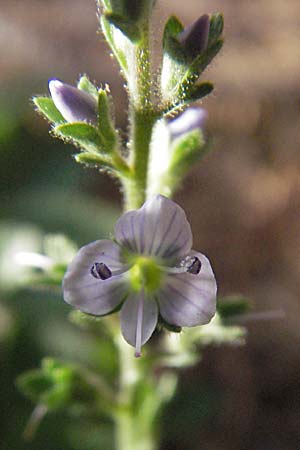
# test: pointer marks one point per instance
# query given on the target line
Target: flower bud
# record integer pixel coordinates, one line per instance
(189, 120)
(75, 105)
(194, 37)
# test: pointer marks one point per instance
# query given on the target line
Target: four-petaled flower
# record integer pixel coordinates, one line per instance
(149, 270)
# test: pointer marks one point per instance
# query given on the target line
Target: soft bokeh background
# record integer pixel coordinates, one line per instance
(243, 202)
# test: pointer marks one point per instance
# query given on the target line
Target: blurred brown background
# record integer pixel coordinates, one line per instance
(243, 200)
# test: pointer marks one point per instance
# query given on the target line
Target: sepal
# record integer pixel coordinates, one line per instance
(118, 42)
(82, 134)
(45, 106)
(216, 28)
(128, 28)
(128, 16)
(198, 91)
(94, 160)
(186, 151)
(106, 122)
(173, 153)
(84, 84)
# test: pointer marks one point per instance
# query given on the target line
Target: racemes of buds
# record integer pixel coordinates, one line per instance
(194, 38)
(191, 119)
(74, 104)
(149, 272)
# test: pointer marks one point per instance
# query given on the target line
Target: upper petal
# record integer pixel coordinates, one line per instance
(188, 300)
(136, 308)
(88, 294)
(159, 228)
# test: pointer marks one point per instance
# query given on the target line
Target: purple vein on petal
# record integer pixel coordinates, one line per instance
(175, 306)
(125, 239)
(166, 232)
(110, 293)
(194, 286)
(173, 248)
(154, 233)
(98, 283)
(142, 230)
(176, 291)
(135, 243)
(139, 325)
(170, 252)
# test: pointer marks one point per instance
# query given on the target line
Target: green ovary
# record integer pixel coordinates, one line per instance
(145, 273)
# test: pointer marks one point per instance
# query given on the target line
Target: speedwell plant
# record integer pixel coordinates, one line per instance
(147, 274)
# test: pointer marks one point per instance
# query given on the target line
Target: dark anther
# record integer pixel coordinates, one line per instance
(194, 266)
(100, 271)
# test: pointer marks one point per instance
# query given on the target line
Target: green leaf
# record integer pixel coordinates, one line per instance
(45, 105)
(82, 134)
(232, 306)
(86, 85)
(34, 384)
(57, 385)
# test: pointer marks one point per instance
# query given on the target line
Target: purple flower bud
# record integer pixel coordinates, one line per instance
(194, 37)
(189, 120)
(74, 104)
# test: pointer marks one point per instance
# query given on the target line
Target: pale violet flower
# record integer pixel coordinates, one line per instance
(150, 271)
(75, 105)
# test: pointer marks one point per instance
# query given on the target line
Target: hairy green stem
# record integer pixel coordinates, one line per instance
(143, 116)
(133, 432)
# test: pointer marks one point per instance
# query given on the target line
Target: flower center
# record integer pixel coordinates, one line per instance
(145, 274)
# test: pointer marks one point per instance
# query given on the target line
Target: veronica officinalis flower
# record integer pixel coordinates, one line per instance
(149, 270)
(74, 104)
(194, 37)
(191, 119)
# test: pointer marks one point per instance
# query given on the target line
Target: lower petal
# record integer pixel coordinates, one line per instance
(139, 316)
(88, 294)
(187, 299)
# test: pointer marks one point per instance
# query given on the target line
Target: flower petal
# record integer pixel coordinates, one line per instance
(132, 313)
(88, 294)
(159, 228)
(187, 299)
(74, 104)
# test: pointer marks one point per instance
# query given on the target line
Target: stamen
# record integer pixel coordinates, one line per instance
(190, 264)
(139, 324)
(100, 271)
(194, 266)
